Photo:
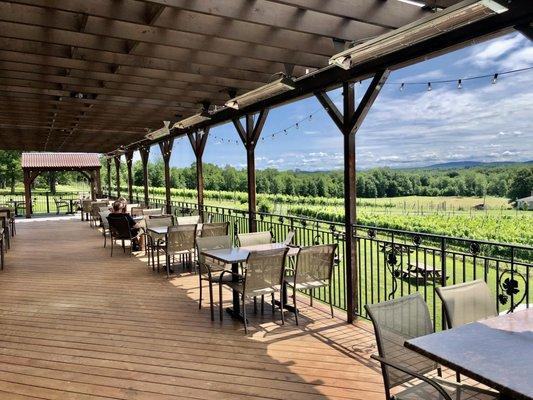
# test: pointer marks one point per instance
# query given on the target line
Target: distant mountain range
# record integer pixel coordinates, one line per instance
(472, 164)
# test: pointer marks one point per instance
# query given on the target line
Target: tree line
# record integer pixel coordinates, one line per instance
(511, 180)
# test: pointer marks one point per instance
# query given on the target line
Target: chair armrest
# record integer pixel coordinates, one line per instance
(429, 381)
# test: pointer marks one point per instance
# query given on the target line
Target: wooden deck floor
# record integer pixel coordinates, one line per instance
(77, 324)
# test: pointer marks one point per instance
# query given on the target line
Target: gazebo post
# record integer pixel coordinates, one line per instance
(249, 137)
(108, 161)
(117, 167)
(129, 164)
(145, 152)
(198, 141)
(92, 184)
(348, 123)
(166, 151)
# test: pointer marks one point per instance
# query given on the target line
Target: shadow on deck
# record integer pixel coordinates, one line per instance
(78, 324)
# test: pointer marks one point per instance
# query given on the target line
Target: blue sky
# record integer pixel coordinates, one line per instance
(413, 127)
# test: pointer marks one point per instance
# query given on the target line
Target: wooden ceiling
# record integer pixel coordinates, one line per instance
(137, 63)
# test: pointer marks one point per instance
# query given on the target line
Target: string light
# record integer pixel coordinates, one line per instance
(459, 84)
(494, 79)
(429, 86)
(402, 86)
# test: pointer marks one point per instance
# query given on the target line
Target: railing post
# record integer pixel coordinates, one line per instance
(47, 203)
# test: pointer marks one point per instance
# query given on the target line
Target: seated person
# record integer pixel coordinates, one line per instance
(118, 213)
(124, 204)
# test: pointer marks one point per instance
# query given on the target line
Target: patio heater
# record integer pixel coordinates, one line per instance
(449, 19)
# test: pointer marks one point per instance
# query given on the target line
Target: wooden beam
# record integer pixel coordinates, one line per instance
(198, 141)
(129, 164)
(166, 152)
(145, 153)
(117, 170)
(250, 136)
(348, 123)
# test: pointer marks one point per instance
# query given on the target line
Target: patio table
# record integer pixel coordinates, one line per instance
(237, 255)
(496, 352)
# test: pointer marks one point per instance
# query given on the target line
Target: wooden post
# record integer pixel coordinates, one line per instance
(92, 183)
(117, 167)
(27, 192)
(108, 177)
(250, 137)
(98, 182)
(129, 164)
(198, 141)
(348, 123)
(166, 151)
(145, 152)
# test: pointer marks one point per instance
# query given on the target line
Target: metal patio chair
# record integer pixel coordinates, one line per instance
(313, 270)
(120, 229)
(181, 241)
(153, 242)
(5, 217)
(96, 207)
(188, 220)
(11, 214)
(289, 238)
(466, 302)
(105, 225)
(254, 238)
(263, 274)
(86, 209)
(208, 270)
(60, 203)
(215, 229)
(1, 249)
(396, 321)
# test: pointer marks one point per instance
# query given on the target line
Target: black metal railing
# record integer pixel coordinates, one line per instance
(42, 202)
(392, 263)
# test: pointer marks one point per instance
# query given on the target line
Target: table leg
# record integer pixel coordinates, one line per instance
(235, 311)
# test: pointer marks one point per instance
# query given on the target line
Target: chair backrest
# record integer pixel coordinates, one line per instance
(152, 211)
(315, 263)
(255, 238)
(119, 227)
(181, 238)
(215, 229)
(137, 211)
(188, 220)
(158, 220)
(467, 302)
(86, 205)
(103, 218)
(396, 321)
(264, 269)
(210, 243)
(289, 238)
(97, 205)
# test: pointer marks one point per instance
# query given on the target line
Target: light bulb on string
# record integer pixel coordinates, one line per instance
(459, 84)
(402, 87)
(429, 86)
(494, 79)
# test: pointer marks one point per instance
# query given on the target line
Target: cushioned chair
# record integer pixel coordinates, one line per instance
(396, 321)
(215, 229)
(209, 270)
(255, 238)
(313, 270)
(263, 274)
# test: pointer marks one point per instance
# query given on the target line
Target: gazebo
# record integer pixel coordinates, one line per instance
(33, 164)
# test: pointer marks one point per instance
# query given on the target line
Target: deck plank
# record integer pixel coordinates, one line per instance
(78, 324)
